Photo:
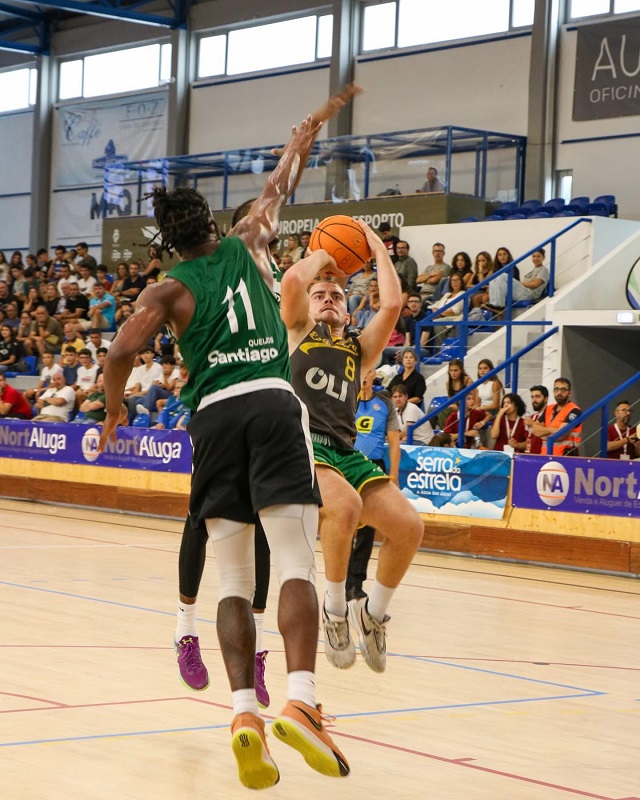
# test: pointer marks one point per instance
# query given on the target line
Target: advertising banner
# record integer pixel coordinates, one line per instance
(464, 483)
(92, 134)
(579, 485)
(134, 448)
(607, 80)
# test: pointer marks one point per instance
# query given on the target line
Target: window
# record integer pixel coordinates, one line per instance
(564, 184)
(263, 47)
(588, 8)
(116, 71)
(18, 89)
(420, 22)
(624, 6)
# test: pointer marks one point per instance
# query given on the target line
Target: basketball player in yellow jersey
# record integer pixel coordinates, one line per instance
(326, 375)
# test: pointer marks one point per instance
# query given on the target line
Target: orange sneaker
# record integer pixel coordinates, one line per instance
(300, 726)
(256, 768)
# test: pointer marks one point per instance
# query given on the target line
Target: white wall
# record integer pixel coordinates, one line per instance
(16, 136)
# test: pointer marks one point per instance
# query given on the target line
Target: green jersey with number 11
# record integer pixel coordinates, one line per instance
(236, 333)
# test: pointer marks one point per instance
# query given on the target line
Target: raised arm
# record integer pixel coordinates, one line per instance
(376, 335)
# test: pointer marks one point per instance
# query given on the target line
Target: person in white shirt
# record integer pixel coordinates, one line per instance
(86, 377)
(86, 282)
(57, 402)
(141, 380)
(96, 341)
(49, 369)
(408, 413)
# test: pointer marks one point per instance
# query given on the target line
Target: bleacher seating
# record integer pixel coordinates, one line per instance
(602, 206)
(529, 207)
(554, 206)
(33, 368)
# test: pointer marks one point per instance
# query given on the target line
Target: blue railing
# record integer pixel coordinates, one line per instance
(603, 405)
(460, 397)
(434, 319)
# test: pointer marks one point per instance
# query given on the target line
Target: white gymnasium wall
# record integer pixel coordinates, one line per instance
(599, 167)
(256, 112)
(16, 136)
(483, 85)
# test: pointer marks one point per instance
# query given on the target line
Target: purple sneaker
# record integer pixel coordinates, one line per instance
(192, 671)
(262, 694)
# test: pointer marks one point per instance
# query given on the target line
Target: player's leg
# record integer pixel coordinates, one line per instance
(191, 562)
(338, 519)
(259, 604)
(387, 510)
(358, 561)
(291, 532)
(234, 552)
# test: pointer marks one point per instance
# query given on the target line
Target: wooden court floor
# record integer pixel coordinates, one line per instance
(503, 682)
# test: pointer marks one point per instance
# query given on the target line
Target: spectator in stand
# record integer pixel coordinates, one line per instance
(502, 258)
(66, 279)
(509, 427)
(4, 267)
(16, 258)
(103, 278)
(56, 403)
(134, 284)
(162, 389)
(123, 313)
(432, 183)
(474, 421)
(460, 265)
(122, 273)
(408, 413)
(433, 274)
(76, 308)
(23, 333)
(406, 267)
(102, 309)
(558, 417)
(59, 260)
(33, 300)
(489, 396)
(5, 295)
(305, 238)
(86, 376)
(532, 287)
(286, 262)
(50, 299)
(457, 379)
(368, 306)
(154, 267)
(42, 257)
(452, 314)
(49, 369)
(539, 398)
(84, 259)
(70, 365)
(19, 286)
(95, 342)
(140, 380)
(92, 409)
(10, 351)
(12, 319)
(86, 281)
(13, 405)
(46, 334)
(411, 379)
(174, 414)
(390, 240)
(442, 439)
(101, 355)
(358, 286)
(483, 266)
(72, 337)
(293, 248)
(622, 439)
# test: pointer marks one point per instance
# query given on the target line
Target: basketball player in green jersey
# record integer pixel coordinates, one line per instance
(327, 372)
(251, 450)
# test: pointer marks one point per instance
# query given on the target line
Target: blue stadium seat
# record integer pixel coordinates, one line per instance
(540, 215)
(581, 203)
(506, 208)
(469, 219)
(597, 210)
(530, 207)
(609, 201)
(566, 213)
(578, 210)
(493, 218)
(516, 216)
(438, 402)
(33, 368)
(554, 206)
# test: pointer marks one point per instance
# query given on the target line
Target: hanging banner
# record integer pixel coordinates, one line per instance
(463, 483)
(607, 77)
(580, 485)
(69, 443)
(90, 135)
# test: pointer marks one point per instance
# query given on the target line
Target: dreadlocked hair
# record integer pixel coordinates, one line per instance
(183, 217)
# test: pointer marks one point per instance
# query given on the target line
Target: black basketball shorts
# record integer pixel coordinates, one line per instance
(251, 451)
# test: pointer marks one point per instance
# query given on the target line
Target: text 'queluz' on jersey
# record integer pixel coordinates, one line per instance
(236, 333)
(326, 377)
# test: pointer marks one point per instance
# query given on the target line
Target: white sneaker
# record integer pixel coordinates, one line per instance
(338, 646)
(140, 409)
(372, 634)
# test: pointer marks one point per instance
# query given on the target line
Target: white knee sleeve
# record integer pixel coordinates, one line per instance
(291, 532)
(235, 557)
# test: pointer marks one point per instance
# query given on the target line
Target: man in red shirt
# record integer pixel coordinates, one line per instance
(474, 421)
(622, 440)
(12, 403)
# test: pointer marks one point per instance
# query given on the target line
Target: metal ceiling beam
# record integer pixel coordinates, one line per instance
(19, 47)
(15, 11)
(109, 12)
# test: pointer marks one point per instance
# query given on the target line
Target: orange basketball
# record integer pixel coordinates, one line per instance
(344, 239)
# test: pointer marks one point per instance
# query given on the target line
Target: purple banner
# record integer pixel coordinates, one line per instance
(134, 448)
(579, 485)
